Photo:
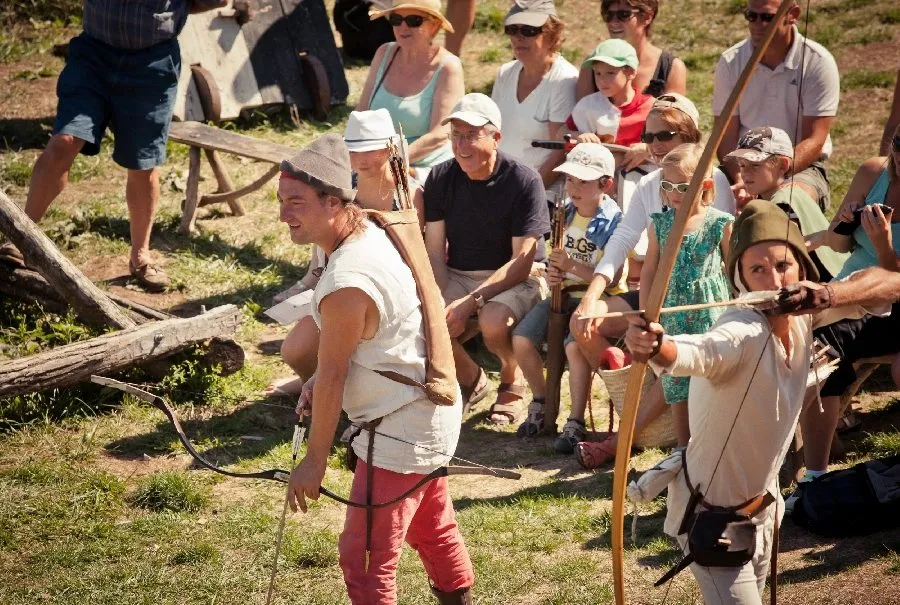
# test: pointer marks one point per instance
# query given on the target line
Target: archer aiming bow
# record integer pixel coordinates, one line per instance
(655, 302)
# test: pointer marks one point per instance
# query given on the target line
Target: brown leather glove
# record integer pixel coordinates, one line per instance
(802, 298)
(243, 11)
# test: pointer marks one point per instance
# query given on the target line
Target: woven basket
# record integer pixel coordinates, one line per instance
(660, 432)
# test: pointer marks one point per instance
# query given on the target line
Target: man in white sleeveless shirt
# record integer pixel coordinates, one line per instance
(370, 320)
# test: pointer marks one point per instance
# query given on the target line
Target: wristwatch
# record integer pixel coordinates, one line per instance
(479, 300)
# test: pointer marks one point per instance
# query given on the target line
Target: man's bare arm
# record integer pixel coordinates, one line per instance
(513, 272)
(809, 149)
(436, 246)
(870, 287)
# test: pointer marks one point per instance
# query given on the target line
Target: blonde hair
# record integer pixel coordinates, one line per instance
(553, 30)
(685, 158)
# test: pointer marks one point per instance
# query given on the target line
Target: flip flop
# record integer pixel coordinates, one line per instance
(475, 393)
(503, 413)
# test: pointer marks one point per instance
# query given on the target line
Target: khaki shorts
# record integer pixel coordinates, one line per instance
(519, 299)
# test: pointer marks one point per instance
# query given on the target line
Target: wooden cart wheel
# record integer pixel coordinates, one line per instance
(316, 79)
(208, 90)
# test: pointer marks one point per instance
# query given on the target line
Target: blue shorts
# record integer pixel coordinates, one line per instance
(131, 92)
(534, 325)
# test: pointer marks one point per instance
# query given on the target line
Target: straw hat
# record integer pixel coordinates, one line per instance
(429, 7)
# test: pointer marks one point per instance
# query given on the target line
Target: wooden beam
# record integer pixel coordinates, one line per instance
(89, 302)
(70, 364)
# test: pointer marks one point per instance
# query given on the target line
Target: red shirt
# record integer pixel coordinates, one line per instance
(634, 114)
(631, 122)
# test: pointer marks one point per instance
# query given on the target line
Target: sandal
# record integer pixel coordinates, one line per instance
(534, 422)
(593, 454)
(475, 393)
(503, 413)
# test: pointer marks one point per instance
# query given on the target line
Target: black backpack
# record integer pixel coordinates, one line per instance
(856, 501)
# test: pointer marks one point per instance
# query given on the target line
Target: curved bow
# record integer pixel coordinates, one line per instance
(655, 301)
(282, 476)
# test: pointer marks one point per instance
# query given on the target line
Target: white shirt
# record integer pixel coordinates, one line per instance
(371, 263)
(772, 96)
(631, 233)
(594, 113)
(551, 101)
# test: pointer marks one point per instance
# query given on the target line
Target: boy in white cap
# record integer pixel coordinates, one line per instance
(485, 216)
(764, 158)
(591, 218)
(616, 112)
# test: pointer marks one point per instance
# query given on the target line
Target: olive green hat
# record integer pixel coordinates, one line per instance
(763, 221)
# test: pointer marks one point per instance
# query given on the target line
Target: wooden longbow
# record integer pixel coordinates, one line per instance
(655, 300)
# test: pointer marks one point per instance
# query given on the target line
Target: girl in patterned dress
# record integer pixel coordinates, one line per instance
(698, 276)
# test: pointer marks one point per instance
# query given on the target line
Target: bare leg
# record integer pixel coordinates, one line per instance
(593, 347)
(467, 371)
(460, 14)
(142, 195)
(580, 374)
(818, 429)
(496, 321)
(300, 349)
(532, 365)
(682, 423)
(50, 174)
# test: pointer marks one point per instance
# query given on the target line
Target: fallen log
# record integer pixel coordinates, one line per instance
(89, 302)
(30, 286)
(70, 364)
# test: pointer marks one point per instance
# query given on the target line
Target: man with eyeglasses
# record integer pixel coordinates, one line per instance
(485, 214)
(795, 74)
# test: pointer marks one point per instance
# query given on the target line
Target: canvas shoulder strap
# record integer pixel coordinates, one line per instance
(402, 227)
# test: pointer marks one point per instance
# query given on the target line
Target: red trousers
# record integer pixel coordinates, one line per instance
(425, 520)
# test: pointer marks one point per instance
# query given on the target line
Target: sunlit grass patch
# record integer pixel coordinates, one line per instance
(169, 491)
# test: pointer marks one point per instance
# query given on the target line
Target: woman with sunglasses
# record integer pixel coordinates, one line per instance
(873, 204)
(659, 70)
(674, 120)
(416, 80)
(536, 91)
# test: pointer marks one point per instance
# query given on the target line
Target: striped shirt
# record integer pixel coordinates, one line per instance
(137, 24)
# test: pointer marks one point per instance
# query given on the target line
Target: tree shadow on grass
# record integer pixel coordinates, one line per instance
(830, 556)
(246, 432)
(19, 134)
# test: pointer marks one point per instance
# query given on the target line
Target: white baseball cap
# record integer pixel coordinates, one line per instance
(369, 130)
(674, 100)
(475, 109)
(588, 162)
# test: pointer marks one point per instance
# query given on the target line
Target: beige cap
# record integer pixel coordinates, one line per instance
(429, 7)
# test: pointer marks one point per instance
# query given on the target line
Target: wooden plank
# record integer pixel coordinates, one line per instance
(281, 30)
(216, 42)
(217, 139)
(191, 193)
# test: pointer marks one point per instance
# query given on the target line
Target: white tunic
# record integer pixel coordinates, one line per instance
(371, 264)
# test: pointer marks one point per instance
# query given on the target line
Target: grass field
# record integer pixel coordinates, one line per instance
(100, 504)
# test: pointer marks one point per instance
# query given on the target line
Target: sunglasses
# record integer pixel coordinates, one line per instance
(620, 15)
(526, 31)
(411, 20)
(896, 143)
(663, 136)
(669, 186)
(752, 16)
